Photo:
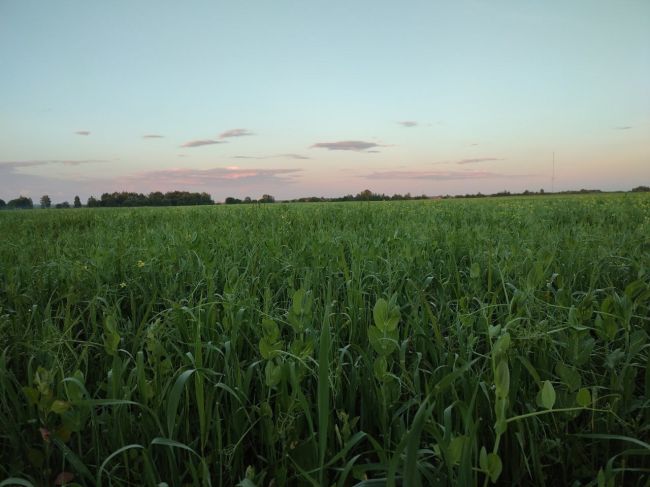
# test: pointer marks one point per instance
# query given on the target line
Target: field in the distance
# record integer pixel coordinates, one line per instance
(437, 342)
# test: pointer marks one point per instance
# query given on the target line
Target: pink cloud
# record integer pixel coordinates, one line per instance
(436, 175)
(218, 176)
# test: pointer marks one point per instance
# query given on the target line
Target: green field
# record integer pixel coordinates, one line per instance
(446, 342)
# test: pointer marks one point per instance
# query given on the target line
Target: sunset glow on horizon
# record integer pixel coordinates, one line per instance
(301, 99)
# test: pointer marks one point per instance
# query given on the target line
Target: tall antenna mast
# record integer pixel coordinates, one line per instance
(553, 176)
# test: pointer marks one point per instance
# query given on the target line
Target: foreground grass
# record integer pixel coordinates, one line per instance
(402, 343)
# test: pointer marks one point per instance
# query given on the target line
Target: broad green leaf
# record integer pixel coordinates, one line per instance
(59, 407)
(548, 395)
(494, 466)
(270, 329)
(384, 343)
(300, 312)
(502, 379)
(302, 348)
(380, 368)
(501, 424)
(614, 358)
(386, 315)
(455, 450)
(494, 330)
(583, 398)
(269, 348)
(569, 375)
(42, 380)
(501, 345)
(482, 459)
(272, 374)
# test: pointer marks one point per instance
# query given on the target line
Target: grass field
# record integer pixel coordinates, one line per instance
(443, 342)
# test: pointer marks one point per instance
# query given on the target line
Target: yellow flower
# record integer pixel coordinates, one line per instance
(140, 263)
(122, 284)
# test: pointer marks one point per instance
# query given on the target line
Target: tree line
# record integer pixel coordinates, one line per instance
(186, 198)
(156, 198)
(365, 195)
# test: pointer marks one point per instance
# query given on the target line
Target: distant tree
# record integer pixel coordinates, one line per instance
(641, 189)
(248, 199)
(63, 205)
(77, 202)
(156, 198)
(365, 195)
(2, 204)
(232, 201)
(541, 191)
(92, 202)
(21, 203)
(46, 202)
(267, 198)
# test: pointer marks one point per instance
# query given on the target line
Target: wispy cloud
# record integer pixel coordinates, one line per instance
(235, 133)
(44, 162)
(408, 123)
(293, 156)
(200, 142)
(217, 176)
(284, 156)
(82, 132)
(153, 136)
(624, 127)
(476, 160)
(14, 179)
(435, 175)
(353, 145)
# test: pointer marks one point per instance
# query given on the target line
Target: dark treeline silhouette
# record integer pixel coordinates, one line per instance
(267, 198)
(172, 198)
(185, 198)
(541, 192)
(20, 203)
(365, 195)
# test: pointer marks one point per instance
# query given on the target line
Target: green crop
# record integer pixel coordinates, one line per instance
(406, 343)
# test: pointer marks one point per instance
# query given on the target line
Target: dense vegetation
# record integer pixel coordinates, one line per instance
(449, 342)
(20, 203)
(156, 198)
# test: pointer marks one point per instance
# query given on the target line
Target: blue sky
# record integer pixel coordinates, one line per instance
(298, 98)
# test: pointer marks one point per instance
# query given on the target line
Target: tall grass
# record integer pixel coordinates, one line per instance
(391, 343)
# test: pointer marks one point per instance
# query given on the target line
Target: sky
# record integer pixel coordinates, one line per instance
(311, 98)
